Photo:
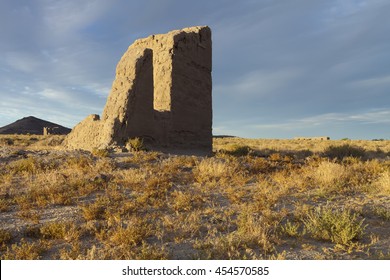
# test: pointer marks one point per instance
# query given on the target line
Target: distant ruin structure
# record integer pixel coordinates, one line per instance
(317, 138)
(162, 93)
(52, 130)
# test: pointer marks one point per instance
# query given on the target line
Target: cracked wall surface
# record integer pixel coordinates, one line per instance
(162, 93)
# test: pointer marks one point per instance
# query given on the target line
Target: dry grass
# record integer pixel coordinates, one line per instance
(253, 199)
(339, 226)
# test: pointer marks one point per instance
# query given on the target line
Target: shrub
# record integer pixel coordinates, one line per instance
(135, 144)
(81, 162)
(5, 236)
(4, 205)
(182, 201)
(24, 251)
(328, 174)
(52, 140)
(131, 176)
(291, 229)
(186, 201)
(210, 169)
(238, 150)
(381, 212)
(346, 150)
(275, 157)
(54, 230)
(100, 152)
(27, 165)
(6, 141)
(339, 226)
(224, 247)
(96, 210)
(133, 233)
(383, 183)
(259, 165)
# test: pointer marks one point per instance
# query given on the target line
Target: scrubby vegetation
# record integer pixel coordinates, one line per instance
(135, 144)
(253, 199)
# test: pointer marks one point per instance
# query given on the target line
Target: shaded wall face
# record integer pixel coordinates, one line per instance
(129, 109)
(191, 95)
(139, 113)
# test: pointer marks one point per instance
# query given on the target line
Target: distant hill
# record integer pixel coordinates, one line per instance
(33, 125)
(224, 136)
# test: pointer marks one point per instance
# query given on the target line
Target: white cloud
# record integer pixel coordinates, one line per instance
(22, 61)
(383, 81)
(258, 83)
(379, 116)
(344, 8)
(64, 16)
(56, 96)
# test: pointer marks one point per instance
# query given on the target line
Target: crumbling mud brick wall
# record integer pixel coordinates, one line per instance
(162, 93)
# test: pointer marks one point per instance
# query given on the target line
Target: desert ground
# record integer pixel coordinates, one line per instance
(252, 199)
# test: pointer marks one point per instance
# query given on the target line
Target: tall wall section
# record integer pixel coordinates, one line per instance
(161, 93)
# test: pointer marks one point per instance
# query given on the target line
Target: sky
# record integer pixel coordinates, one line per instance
(281, 68)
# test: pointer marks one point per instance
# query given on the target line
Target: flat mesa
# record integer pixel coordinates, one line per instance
(162, 93)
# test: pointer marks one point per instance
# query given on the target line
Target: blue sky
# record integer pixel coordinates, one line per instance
(281, 68)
